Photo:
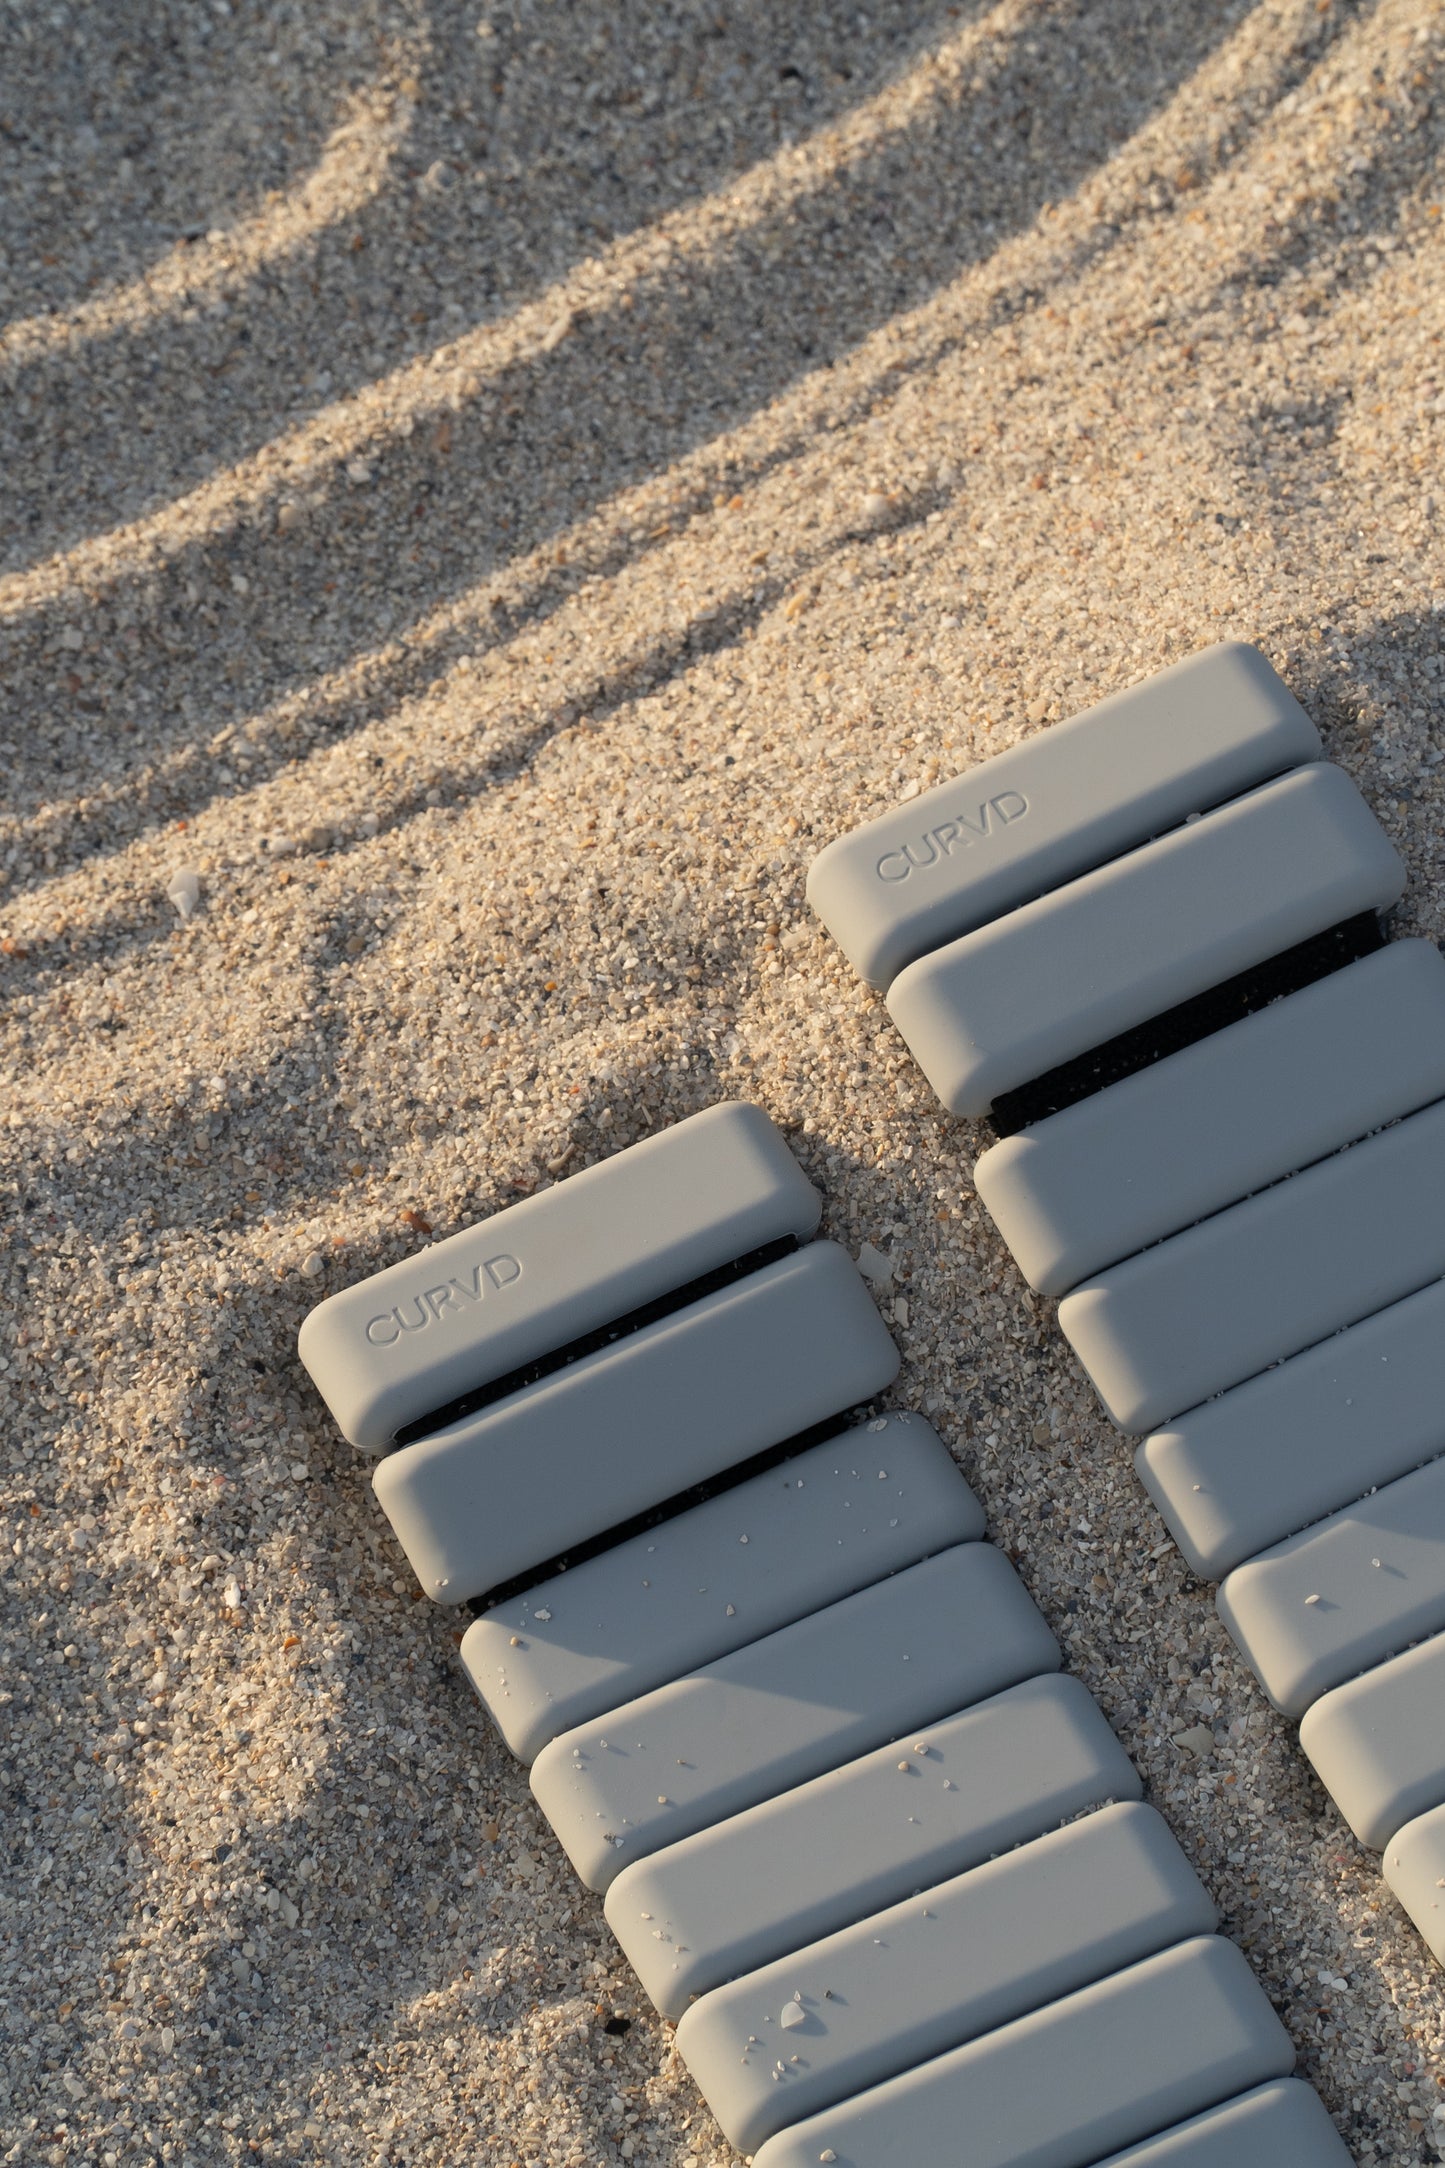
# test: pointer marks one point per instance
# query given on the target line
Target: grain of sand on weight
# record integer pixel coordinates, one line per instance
(490, 492)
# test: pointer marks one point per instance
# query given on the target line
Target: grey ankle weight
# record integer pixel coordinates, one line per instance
(780, 1700)
(1219, 1100)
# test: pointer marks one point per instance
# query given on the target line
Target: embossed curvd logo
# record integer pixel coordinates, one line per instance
(938, 843)
(451, 1299)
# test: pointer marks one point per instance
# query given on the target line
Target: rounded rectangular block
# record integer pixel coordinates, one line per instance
(1345, 1594)
(1415, 1871)
(1057, 805)
(1378, 1743)
(524, 1283)
(1280, 2125)
(1222, 1301)
(1011, 1001)
(941, 1968)
(1361, 1408)
(925, 1642)
(637, 1423)
(667, 1601)
(1100, 2069)
(797, 1867)
(1075, 1193)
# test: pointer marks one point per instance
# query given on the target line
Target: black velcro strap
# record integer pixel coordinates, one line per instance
(1147, 1043)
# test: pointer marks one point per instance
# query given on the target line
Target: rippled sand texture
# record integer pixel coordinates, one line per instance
(489, 495)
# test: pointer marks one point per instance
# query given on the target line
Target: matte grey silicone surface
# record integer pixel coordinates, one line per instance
(1201, 1129)
(542, 1273)
(675, 1597)
(1279, 2125)
(1061, 975)
(637, 1423)
(1292, 1445)
(1378, 1743)
(929, 1640)
(1100, 2069)
(797, 1867)
(1345, 1594)
(1220, 1302)
(1415, 1871)
(939, 1969)
(1056, 805)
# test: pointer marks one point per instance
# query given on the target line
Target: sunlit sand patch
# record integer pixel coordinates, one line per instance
(1051, 249)
(445, 379)
(352, 169)
(304, 456)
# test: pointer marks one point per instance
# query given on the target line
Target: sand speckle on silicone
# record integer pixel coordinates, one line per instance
(443, 471)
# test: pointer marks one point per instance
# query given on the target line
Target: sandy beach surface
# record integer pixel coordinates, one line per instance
(490, 491)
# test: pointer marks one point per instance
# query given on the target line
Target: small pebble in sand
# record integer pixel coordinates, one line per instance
(183, 889)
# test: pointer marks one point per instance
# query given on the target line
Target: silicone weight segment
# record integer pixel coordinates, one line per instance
(524, 1283)
(797, 1867)
(1361, 1408)
(1415, 1871)
(843, 1514)
(941, 1968)
(1279, 2125)
(1378, 1743)
(1100, 2069)
(625, 1429)
(1222, 1301)
(1201, 1129)
(932, 1639)
(1051, 808)
(1344, 1595)
(1059, 976)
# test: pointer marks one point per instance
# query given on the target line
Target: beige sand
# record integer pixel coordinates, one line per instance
(491, 493)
